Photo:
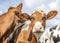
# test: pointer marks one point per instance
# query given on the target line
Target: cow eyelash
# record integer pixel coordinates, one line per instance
(16, 12)
(44, 18)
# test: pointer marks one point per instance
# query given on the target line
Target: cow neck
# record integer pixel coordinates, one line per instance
(8, 31)
(30, 31)
(13, 38)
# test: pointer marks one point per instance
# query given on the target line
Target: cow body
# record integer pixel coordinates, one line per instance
(8, 21)
(40, 22)
(11, 38)
(55, 36)
(23, 35)
(24, 32)
(35, 28)
(45, 36)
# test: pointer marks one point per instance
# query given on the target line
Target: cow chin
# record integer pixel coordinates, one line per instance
(38, 31)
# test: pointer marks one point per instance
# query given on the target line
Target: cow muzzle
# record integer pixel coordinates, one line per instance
(38, 30)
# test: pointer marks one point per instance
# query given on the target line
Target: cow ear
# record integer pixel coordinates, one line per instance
(51, 14)
(19, 7)
(10, 8)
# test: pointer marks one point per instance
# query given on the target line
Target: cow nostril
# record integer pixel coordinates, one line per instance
(41, 28)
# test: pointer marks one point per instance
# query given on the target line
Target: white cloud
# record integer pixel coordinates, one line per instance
(52, 22)
(53, 5)
(1, 12)
(43, 7)
(29, 2)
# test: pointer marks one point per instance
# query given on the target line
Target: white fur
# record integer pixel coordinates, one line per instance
(26, 25)
(40, 11)
(37, 25)
(38, 36)
(47, 35)
(57, 31)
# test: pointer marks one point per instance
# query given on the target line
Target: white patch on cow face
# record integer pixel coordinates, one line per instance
(26, 25)
(40, 11)
(38, 27)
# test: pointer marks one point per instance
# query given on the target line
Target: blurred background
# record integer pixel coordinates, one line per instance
(30, 5)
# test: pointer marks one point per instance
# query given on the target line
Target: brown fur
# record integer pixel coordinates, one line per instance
(23, 18)
(24, 35)
(37, 16)
(8, 21)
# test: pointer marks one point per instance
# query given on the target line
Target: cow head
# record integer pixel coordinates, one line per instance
(16, 11)
(24, 17)
(39, 18)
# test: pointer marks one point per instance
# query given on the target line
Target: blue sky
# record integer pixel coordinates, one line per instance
(30, 5)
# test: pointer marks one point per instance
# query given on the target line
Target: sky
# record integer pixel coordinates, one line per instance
(31, 5)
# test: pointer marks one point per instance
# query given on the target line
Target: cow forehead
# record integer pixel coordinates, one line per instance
(39, 11)
(38, 23)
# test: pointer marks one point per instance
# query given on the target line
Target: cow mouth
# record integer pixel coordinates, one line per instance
(38, 31)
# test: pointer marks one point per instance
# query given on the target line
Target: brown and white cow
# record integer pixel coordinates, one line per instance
(40, 21)
(8, 21)
(33, 28)
(23, 17)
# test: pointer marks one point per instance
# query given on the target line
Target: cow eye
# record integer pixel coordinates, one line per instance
(44, 18)
(16, 13)
(32, 18)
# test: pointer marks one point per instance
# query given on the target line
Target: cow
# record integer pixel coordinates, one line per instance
(45, 37)
(23, 28)
(51, 35)
(9, 20)
(40, 21)
(55, 34)
(34, 27)
(12, 37)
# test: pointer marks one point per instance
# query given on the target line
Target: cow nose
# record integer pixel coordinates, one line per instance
(40, 27)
